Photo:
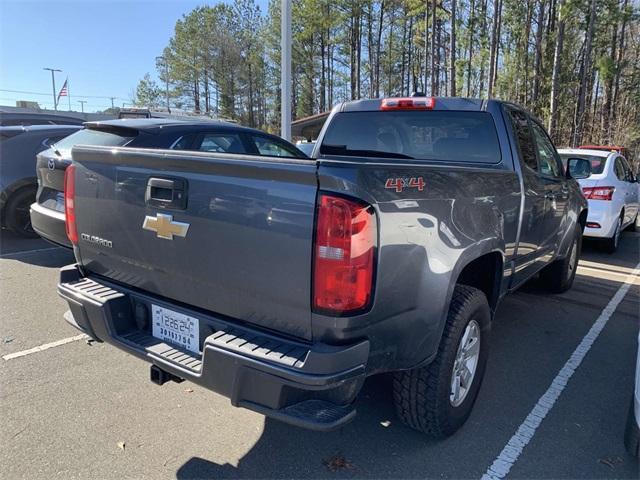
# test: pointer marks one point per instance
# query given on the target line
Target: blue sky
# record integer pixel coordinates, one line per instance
(103, 46)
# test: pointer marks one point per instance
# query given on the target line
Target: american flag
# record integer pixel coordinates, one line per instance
(64, 91)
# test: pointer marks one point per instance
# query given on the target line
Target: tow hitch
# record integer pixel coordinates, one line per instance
(160, 377)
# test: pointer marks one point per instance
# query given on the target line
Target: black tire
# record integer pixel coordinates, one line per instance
(558, 277)
(632, 432)
(633, 226)
(423, 396)
(610, 245)
(18, 219)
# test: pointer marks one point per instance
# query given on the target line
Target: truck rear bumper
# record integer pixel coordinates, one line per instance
(312, 386)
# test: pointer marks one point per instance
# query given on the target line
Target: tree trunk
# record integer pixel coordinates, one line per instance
(618, 66)
(426, 46)
(537, 61)
(379, 42)
(494, 47)
(586, 67)
(483, 29)
(434, 60)
(472, 13)
(555, 75)
(409, 59)
(452, 51)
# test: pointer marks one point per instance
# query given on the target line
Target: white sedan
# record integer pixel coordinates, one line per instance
(612, 192)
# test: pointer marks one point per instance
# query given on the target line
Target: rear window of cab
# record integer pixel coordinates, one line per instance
(451, 136)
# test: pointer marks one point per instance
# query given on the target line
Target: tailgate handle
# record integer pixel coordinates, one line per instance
(166, 193)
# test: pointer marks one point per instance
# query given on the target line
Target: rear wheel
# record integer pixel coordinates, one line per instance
(558, 277)
(437, 399)
(18, 219)
(610, 245)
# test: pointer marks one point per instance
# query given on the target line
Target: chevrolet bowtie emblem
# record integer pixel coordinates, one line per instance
(164, 226)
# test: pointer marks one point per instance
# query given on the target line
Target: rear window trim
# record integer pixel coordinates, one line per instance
(412, 161)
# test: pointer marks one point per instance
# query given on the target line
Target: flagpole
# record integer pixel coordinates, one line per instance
(68, 94)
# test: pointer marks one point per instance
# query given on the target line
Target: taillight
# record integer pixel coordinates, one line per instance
(344, 255)
(69, 203)
(598, 193)
(408, 103)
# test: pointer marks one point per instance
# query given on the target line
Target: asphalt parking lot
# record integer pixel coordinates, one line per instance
(89, 411)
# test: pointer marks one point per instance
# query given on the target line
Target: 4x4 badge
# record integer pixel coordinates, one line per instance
(164, 226)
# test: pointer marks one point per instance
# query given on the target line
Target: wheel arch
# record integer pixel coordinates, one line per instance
(484, 272)
(11, 190)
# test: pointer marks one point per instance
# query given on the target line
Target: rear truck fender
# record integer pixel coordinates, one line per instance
(482, 266)
(576, 218)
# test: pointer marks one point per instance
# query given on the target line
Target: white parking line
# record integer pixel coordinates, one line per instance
(24, 252)
(511, 452)
(46, 346)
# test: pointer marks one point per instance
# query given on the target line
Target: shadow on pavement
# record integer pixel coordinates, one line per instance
(284, 451)
(34, 251)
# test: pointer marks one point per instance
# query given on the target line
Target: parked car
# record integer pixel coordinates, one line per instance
(283, 283)
(18, 184)
(47, 213)
(9, 119)
(612, 191)
(632, 431)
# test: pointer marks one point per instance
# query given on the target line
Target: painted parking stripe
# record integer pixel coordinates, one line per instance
(46, 346)
(26, 252)
(511, 452)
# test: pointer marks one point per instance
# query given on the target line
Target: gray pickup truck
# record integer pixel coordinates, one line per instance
(282, 283)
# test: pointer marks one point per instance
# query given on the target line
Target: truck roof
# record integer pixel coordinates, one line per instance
(441, 103)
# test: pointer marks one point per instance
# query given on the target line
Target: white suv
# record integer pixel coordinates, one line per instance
(612, 192)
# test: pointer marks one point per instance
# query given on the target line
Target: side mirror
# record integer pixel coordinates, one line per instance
(578, 168)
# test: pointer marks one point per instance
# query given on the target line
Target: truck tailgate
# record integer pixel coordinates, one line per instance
(236, 240)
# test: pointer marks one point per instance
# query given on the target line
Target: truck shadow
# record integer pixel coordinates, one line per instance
(284, 451)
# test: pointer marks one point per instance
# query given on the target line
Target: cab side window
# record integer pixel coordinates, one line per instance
(547, 156)
(522, 130)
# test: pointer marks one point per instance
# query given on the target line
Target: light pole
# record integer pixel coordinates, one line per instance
(112, 99)
(166, 78)
(82, 102)
(53, 84)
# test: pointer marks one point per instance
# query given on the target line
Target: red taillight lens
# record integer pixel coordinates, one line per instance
(344, 255)
(408, 103)
(598, 193)
(69, 203)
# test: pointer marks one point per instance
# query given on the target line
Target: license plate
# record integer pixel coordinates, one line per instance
(176, 328)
